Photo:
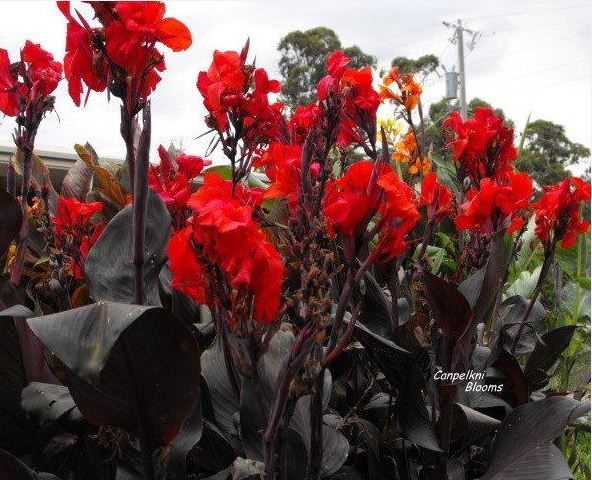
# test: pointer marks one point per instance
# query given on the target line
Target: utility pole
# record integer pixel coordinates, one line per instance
(461, 70)
(458, 38)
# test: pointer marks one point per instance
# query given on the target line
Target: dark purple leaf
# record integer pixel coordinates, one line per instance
(11, 468)
(119, 360)
(402, 373)
(47, 404)
(453, 315)
(511, 312)
(515, 389)
(15, 431)
(469, 426)
(525, 431)
(109, 266)
(546, 352)
(76, 183)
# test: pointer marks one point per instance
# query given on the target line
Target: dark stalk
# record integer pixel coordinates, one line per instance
(140, 205)
(19, 261)
(127, 133)
(549, 257)
(292, 364)
(316, 424)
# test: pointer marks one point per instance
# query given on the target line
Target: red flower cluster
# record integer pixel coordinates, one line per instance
(399, 214)
(74, 231)
(29, 81)
(496, 205)
(283, 167)
(303, 120)
(354, 87)
(223, 235)
(482, 146)
(437, 198)
(171, 178)
(367, 189)
(122, 53)
(237, 94)
(557, 213)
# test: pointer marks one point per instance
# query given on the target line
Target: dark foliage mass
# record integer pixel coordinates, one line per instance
(300, 313)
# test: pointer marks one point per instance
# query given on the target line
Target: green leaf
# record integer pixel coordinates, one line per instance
(525, 283)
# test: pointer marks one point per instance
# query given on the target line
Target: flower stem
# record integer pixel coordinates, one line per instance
(19, 261)
(549, 256)
(140, 204)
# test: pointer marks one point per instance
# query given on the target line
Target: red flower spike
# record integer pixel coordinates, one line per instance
(348, 203)
(223, 233)
(437, 198)
(354, 88)
(557, 213)
(231, 88)
(482, 146)
(128, 34)
(172, 179)
(490, 207)
(28, 82)
(74, 231)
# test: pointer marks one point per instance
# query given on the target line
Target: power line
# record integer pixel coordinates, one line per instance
(535, 72)
(554, 84)
(493, 31)
(530, 12)
(530, 47)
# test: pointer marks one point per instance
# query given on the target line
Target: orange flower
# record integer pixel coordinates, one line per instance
(406, 149)
(421, 164)
(408, 89)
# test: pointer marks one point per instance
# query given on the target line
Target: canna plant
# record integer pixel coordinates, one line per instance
(325, 305)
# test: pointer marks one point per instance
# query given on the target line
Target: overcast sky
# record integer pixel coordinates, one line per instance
(528, 57)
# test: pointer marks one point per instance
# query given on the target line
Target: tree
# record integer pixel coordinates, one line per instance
(423, 65)
(547, 152)
(303, 58)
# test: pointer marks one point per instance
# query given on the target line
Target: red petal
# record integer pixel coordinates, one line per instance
(174, 34)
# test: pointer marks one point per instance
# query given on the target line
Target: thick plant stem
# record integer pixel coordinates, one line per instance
(139, 207)
(549, 256)
(19, 261)
(316, 428)
(292, 364)
(127, 133)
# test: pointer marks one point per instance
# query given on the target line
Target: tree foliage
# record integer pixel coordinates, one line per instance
(423, 65)
(303, 58)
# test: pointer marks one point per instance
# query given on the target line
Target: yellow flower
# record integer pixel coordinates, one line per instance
(392, 128)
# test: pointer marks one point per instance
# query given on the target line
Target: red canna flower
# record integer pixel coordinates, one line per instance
(122, 52)
(399, 213)
(557, 213)
(482, 146)
(370, 191)
(354, 88)
(189, 272)
(226, 89)
(172, 178)
(304, 119)
(437, 198)
(74, 231)
(496, 205)
(283, 166)
(351, 200)
(27, 84)
(223, 234)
